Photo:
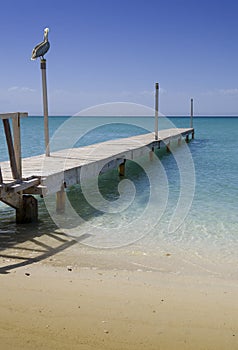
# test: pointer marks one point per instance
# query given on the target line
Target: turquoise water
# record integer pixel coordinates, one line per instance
(211, 222)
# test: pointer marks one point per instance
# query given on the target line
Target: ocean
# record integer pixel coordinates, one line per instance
(206, 231)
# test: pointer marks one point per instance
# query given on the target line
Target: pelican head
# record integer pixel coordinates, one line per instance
(46, 31)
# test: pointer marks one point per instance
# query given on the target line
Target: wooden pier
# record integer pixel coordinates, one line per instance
(22, 179)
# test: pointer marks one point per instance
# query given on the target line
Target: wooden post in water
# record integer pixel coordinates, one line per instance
(156, 110)
(168, 147)
(191, 114)
(151, 154)
(60, 200)
(28, 210)
(121, 168)
(45, 106)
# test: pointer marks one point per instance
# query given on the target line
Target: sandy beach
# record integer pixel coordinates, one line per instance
(68, 301)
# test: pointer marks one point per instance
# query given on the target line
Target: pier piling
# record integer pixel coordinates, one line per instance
(151, 154)
(60, 200)
(28, 210)
(122, 168)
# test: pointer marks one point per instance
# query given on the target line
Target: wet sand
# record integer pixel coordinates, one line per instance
(51, 305)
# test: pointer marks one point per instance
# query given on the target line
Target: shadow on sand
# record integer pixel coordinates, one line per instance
(23, 245)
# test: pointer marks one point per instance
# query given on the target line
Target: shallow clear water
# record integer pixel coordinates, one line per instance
(210, 225)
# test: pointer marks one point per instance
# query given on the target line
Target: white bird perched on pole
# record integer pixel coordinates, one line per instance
(41, 49)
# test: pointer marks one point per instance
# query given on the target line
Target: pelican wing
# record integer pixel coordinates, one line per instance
(40, 50)
(35, 50)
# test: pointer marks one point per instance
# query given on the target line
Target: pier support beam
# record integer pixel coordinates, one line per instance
(60, 200)
(187, 138)
(122, 168)
(27, 211)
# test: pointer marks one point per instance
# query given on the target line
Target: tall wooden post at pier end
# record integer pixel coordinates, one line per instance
(191, 114)
(156, 110)
(191, 117)
(191, 121)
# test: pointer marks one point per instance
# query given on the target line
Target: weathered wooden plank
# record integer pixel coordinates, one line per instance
(17, 142)
(11, 199)
(12, 157)
(13, 115)
(24, 185)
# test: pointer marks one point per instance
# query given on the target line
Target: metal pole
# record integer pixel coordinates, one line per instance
(156, 109)
(191, 114)
(45, 105)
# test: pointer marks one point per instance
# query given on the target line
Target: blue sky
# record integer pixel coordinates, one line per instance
(109, 51)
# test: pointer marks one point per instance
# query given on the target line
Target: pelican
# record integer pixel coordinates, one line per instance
(41, 49)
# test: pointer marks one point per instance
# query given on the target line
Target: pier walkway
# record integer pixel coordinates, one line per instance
(22, 179)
